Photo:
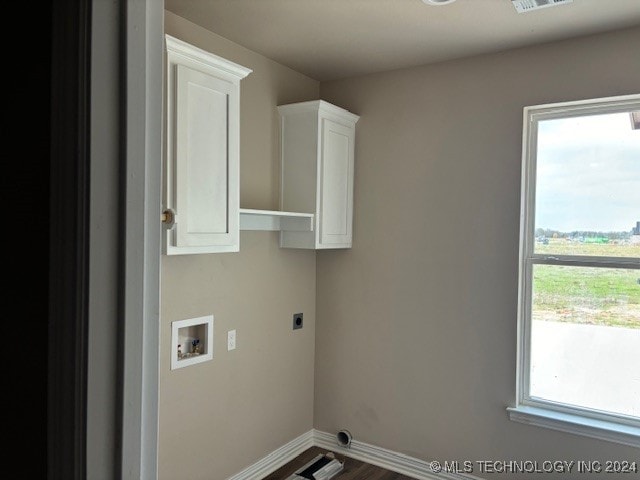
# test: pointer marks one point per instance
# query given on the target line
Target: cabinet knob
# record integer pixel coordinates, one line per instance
(168, 217)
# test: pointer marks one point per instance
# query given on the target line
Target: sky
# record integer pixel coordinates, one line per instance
(588, 174)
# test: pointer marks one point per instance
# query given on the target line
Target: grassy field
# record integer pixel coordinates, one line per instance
(597, 296)
(560, 246)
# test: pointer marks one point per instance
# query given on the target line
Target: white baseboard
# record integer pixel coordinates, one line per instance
(388, 459)
(277, 458)
(381, 457)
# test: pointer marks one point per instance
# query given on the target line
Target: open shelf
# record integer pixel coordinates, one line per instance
(275, 221)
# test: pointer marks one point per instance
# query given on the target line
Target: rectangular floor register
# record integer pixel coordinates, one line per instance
(322, 467)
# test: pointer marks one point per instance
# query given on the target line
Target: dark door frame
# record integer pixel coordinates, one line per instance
(68, 239)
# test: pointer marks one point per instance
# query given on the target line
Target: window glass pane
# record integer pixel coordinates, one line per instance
(588, 186)
(585, 337)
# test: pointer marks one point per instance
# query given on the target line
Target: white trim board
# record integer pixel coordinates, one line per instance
(388, 459)
(381, 457)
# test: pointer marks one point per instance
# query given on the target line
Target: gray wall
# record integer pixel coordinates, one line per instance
(219, 417)
(416, 324)
(102, 432)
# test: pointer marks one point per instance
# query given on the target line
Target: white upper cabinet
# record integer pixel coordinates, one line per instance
(317, 148)
(202, 158)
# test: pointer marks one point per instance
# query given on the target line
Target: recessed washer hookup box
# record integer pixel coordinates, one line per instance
(322, 467)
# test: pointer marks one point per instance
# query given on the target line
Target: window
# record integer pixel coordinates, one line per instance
(579, 285)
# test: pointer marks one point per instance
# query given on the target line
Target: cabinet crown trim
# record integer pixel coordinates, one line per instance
(320, 106)
(202, 56)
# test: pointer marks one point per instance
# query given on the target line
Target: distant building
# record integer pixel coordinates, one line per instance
(635, 234)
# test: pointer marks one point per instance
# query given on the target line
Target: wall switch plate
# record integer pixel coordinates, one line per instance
(231, 340)
(297, 321)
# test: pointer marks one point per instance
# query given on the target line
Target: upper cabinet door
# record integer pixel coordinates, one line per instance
(202, 154)
(206, 182)
(336, 189)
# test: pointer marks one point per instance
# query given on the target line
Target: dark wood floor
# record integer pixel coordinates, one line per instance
(353, 469)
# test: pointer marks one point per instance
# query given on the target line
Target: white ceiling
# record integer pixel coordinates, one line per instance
(331, 39)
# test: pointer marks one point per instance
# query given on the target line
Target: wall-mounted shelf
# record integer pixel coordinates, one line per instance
(275, 221)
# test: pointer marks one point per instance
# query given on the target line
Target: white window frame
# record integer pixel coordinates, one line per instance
(535, 411)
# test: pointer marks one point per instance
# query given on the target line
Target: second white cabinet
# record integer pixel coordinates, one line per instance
(201, 184)
(317, 149)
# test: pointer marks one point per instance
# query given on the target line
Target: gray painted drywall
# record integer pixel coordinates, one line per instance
(416, 324)
(218, 417)
(415, 339)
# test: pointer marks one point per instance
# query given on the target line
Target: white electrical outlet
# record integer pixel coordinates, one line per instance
(231, 340)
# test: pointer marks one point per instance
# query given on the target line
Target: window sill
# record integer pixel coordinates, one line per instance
(564, 422)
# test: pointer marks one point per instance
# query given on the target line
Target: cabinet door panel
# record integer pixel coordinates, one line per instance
(337, 183)
(205, 216)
